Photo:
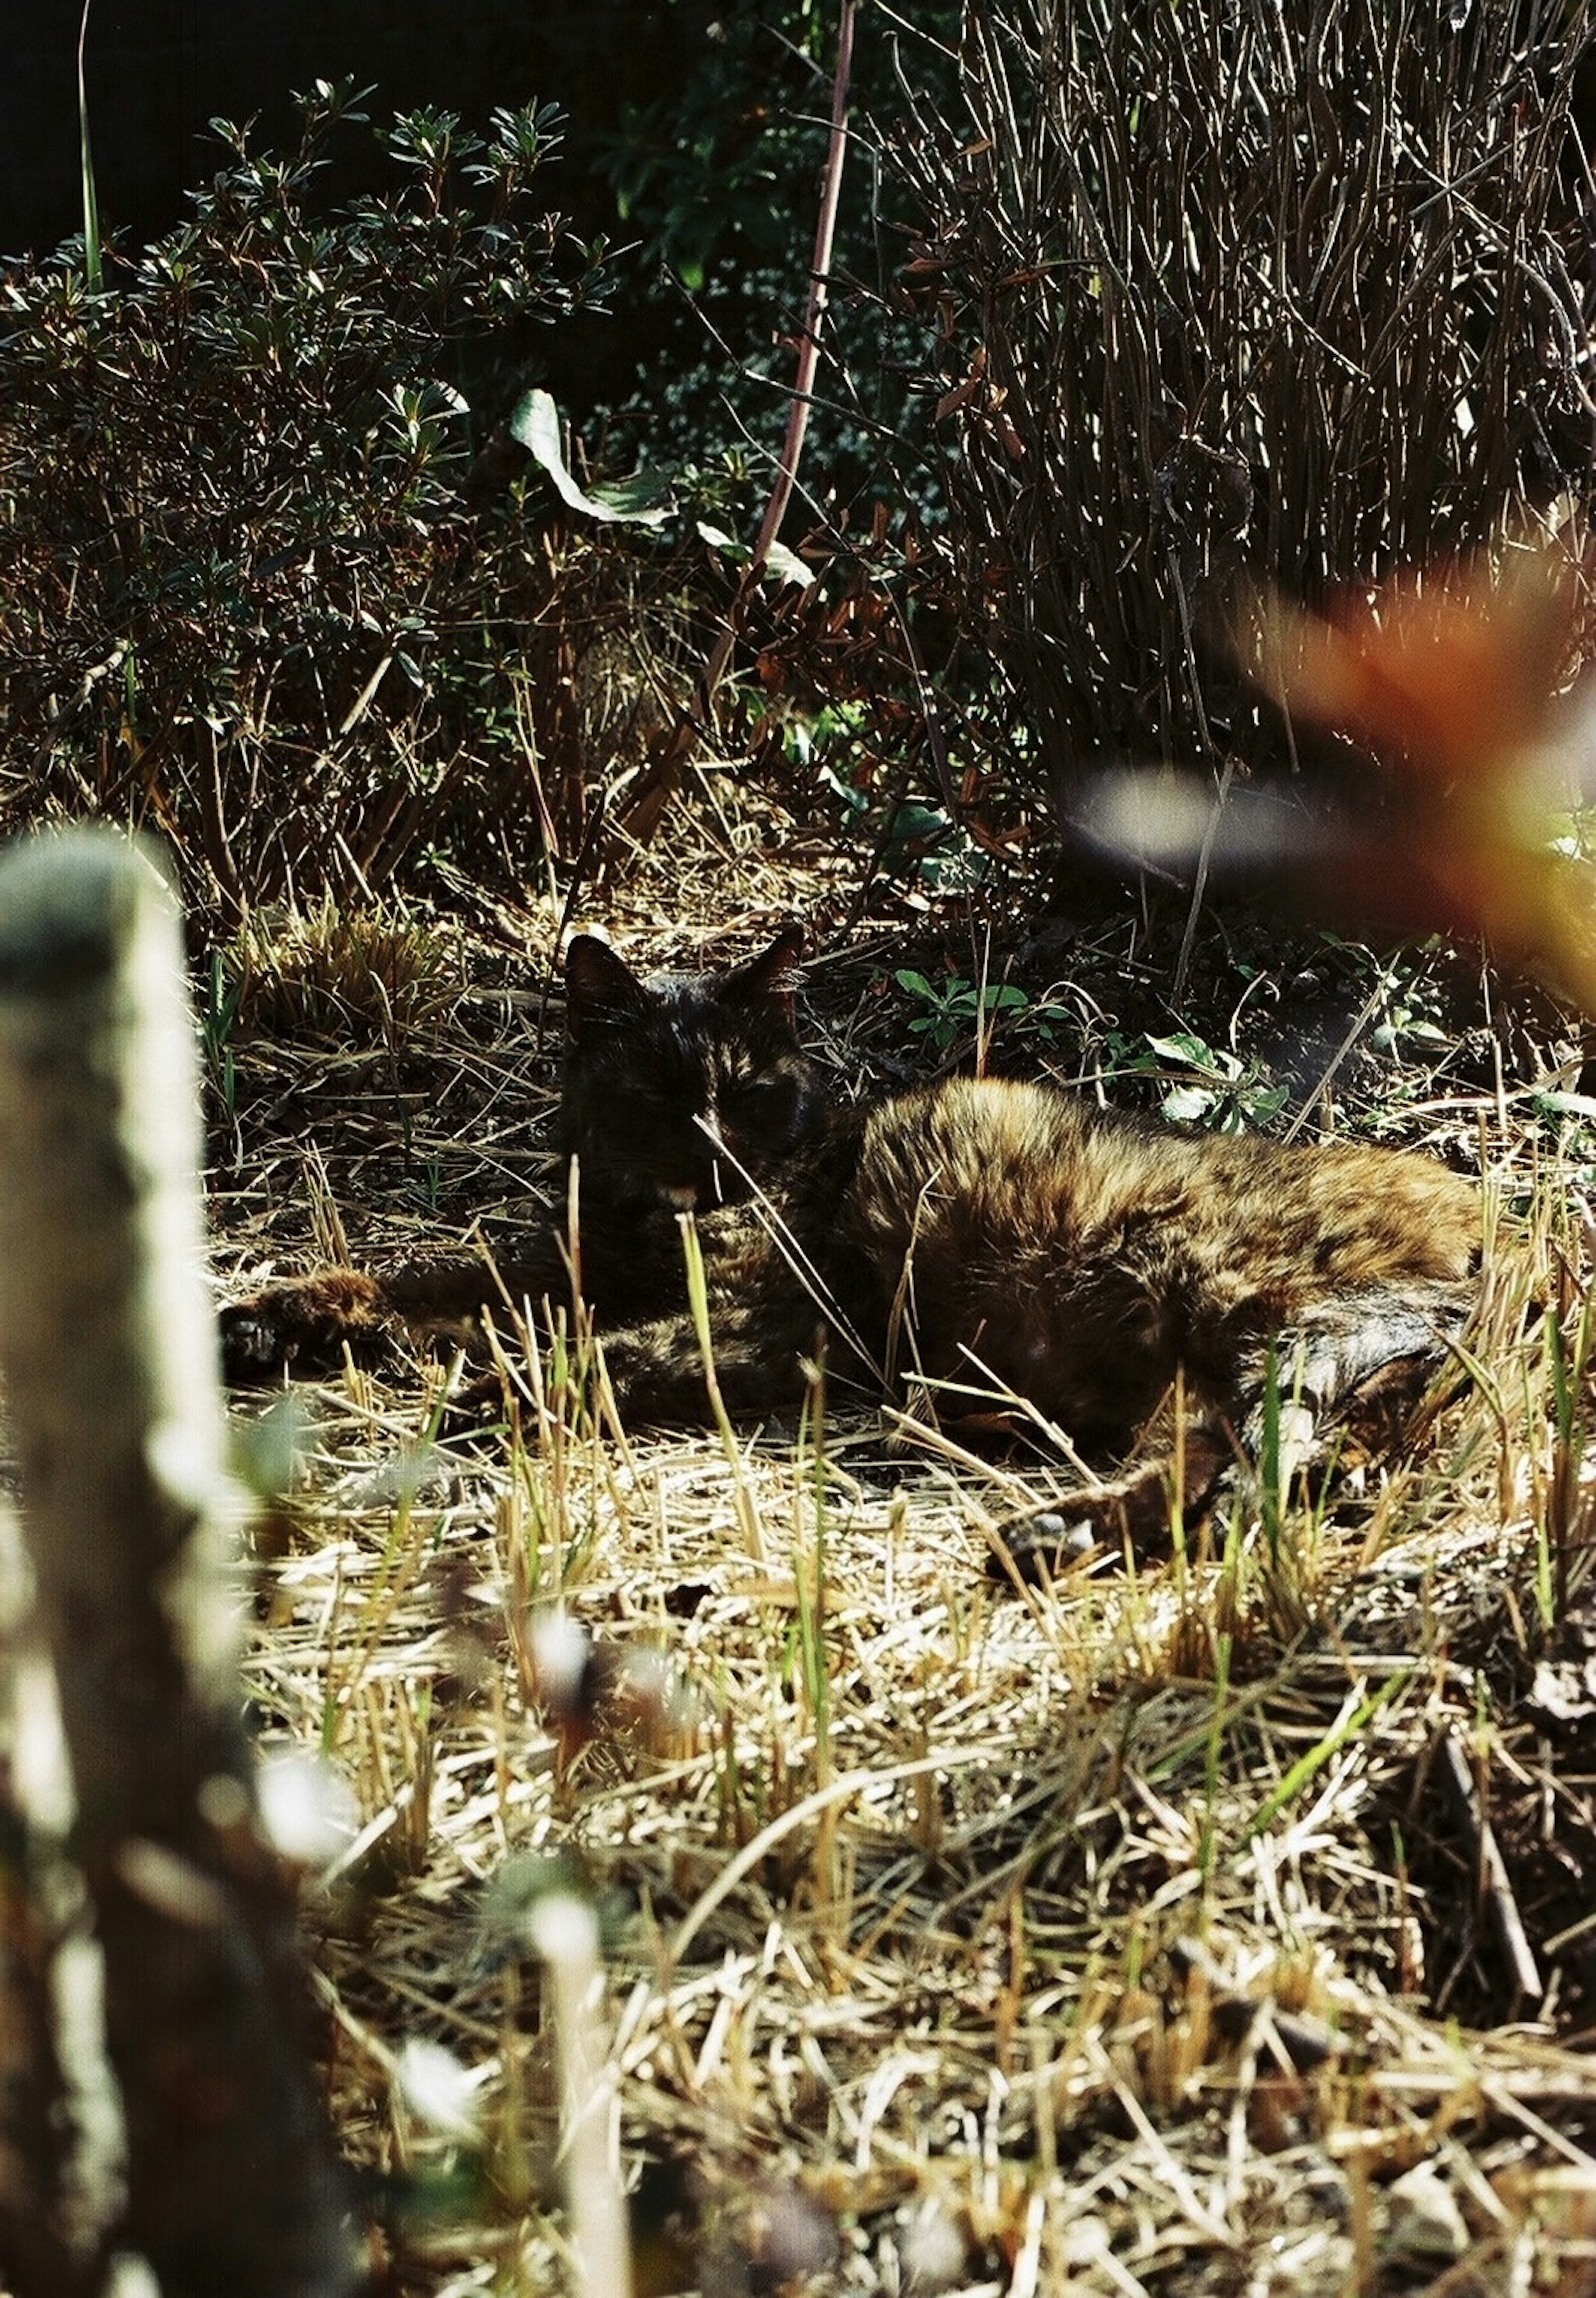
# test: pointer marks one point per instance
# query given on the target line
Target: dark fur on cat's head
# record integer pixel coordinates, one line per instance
(679, 1085)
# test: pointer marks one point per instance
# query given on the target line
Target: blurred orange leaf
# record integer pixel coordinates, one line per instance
(1454, 682)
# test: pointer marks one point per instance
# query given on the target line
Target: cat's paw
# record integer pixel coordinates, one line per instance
(1042, 1543)
(253, 1346)
(302, 1324)
(1136, 1515)
(478, 1404)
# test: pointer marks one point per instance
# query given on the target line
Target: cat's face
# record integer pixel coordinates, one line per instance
(684, 1090)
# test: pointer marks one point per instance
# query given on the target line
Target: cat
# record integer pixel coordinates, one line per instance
(1005, 1249)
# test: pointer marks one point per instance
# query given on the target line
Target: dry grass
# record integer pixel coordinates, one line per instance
(1125, 1938)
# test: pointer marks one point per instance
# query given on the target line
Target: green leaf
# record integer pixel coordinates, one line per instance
(643, 500)
(1188, 1104)
(913, 819)
(1185, 1048)
(916, 985)
(784, 565)
(93, 255)
(781, 564)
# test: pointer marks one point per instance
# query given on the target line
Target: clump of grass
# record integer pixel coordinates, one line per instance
(1212, 290)
(375, 973)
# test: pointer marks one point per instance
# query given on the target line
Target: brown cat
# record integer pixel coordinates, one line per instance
(1004, 1249)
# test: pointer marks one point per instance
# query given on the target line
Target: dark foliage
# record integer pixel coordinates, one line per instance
(250, 591)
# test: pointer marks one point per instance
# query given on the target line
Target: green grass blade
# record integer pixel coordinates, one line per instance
(94, 269)
(1297, 1778)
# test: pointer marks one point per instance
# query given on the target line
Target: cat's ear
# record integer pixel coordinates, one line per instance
(599, 984)
(771, 979)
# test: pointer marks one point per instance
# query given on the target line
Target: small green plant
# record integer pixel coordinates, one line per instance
(813, 1650)
(698, 1296)
(962, 1009)
(922, 843)
(810, 739)
(1218, 1089)
(219, 997)
(1406, 1023)
(959, 1008)
(1569, 1347)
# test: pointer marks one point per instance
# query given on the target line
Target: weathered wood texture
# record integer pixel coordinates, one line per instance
(108, 1353)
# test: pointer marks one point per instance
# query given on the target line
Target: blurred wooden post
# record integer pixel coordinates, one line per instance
(108, 1353)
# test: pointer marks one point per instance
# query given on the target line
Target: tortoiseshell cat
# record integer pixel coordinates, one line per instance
(989, 1235)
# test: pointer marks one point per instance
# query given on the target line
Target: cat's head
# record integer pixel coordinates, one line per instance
(684, 1089)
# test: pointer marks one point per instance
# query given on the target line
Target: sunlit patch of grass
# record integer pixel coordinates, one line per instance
(1101, 1926)
(337, 971)
(918, 1901)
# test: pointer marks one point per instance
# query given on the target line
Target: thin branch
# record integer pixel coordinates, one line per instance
(657, 785)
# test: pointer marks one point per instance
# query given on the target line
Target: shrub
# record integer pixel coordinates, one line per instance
(262, 585)
(1225, 286)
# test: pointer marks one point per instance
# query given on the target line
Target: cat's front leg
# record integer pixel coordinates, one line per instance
(656, 1370)
(302, 1324)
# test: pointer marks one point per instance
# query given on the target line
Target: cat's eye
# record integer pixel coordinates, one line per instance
(635, 1103)
(759, 1096)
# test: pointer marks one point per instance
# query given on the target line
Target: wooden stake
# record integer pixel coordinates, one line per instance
(108, 1351)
